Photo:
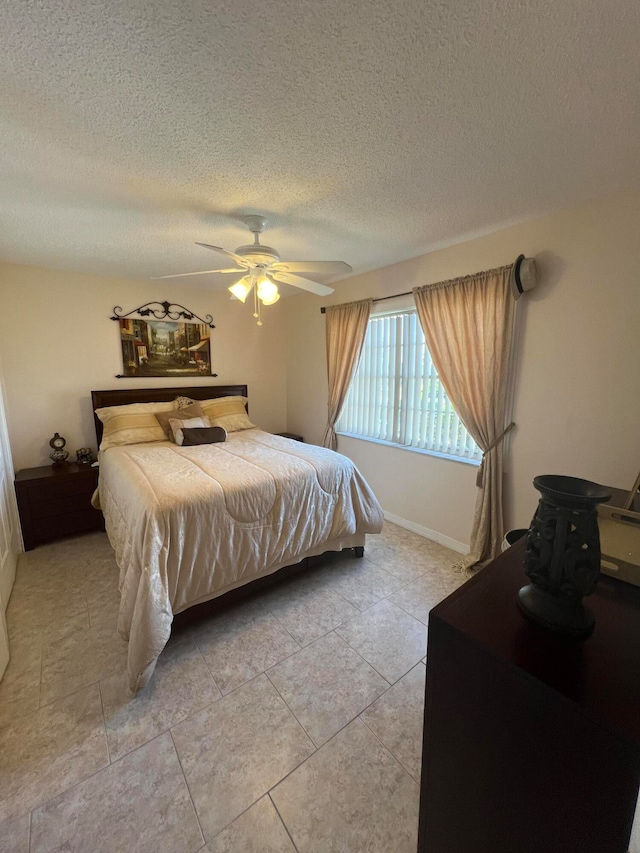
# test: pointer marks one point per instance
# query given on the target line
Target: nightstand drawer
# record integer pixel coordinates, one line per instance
(56, 490)
(62, 505)
(46, 529)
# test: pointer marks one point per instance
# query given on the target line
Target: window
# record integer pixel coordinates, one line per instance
(396, 395)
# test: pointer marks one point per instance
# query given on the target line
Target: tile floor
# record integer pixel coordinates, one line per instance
(292, 721)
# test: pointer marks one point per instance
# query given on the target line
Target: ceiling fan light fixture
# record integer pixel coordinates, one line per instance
(267, 291)
(241, 289)
(272, 300)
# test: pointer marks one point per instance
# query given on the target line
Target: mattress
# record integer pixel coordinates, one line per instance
(190, 523)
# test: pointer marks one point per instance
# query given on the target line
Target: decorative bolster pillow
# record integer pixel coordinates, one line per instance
(177, 425)
(209, 435)
(186, 413)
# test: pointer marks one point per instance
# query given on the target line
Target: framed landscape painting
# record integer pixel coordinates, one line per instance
(165, 348)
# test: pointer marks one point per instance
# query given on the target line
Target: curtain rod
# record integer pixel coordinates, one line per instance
(323, 310)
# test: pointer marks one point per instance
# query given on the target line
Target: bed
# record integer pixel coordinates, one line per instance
(190, 524)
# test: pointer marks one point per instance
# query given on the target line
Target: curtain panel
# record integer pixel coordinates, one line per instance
(468, 326)
(346, 331)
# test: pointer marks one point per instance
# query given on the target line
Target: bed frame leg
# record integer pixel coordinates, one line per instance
(358, 551)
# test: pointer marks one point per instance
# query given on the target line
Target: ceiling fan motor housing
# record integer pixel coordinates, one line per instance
(258, 254)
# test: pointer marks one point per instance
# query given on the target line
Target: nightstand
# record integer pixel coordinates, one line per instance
(291, 435)
(55, 502)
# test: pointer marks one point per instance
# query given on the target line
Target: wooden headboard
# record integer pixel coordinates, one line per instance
(122, 396)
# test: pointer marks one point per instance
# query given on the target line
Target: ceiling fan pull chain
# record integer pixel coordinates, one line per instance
(256, 304)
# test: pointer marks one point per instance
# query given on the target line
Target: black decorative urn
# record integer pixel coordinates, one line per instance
(562, 554)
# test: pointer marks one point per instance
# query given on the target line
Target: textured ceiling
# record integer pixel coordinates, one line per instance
(367, 132)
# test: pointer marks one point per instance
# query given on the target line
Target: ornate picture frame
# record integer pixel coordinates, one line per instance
(175, 343)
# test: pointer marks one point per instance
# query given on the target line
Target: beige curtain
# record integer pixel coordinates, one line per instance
(468, 324)
(346, 330)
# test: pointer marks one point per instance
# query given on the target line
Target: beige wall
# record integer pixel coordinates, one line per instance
(577, 401)
(57, 344)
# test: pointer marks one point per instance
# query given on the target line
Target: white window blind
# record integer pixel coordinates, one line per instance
(396, 395)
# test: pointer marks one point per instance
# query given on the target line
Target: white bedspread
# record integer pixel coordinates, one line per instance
(188, 523)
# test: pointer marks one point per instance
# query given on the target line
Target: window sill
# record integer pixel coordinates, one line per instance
(473, 462)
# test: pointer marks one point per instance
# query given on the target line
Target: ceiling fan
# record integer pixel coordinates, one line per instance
(262, 270)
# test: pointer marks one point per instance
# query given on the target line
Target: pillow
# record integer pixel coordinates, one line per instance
(227, 412)
(178, 424)
(210, 435)
(183, 402)
(135, 423)
(192, 411)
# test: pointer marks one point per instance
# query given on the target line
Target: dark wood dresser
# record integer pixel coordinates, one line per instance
(532, 743)
(55, 502)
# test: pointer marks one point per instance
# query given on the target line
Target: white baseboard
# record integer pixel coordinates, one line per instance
(447, 541)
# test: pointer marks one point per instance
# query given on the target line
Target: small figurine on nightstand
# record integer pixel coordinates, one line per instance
(85, 456)
(59, 455)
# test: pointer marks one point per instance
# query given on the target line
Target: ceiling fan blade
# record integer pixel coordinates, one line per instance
(302, 283)
(237, 258)
(202, 272)
(312, 269)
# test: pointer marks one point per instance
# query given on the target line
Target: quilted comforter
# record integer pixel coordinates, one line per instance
(189, 523)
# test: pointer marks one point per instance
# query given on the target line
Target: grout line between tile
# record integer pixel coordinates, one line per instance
(217, 686)
(390, 683)
(379, 739)
(104, 722)
(37, 710)
(292, 712)
(263, 672)
(200, 652)
(388, 748)
(284, 627)
(169, 727)
(240, 686)
(286, 828)
(71, 787)
(184, 776)
(357, 716)
(350, 603)
(40, 682)
(244, 811)
(318, 749)
(306, 645)
(86, 604)
(315, 749)
(67, 695)
(426, 624)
